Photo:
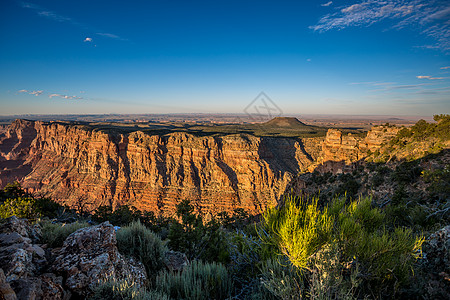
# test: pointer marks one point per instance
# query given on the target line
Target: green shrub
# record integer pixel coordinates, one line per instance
(196, 282)
(123, 215)
(407, 172)
(299, 228)
(21, 207)
(349, 186)
(54, 234)
(140, 242)
(14, 201)
(302, 231)
(281, 280)
(196, 238)
(113, 289)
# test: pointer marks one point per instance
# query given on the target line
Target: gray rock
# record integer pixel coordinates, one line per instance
(90, 256)
(175, 261)
(6, 292)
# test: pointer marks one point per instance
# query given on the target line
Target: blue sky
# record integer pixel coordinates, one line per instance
(327, 57)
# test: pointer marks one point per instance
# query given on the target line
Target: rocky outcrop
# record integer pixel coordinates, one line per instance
(74, 164)
(24, 262)
(90, 256)
(19, 256)
(340, 152)
(436, 263)
(379, 135)
(6, 292)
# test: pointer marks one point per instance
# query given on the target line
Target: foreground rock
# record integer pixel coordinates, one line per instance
(19, 257)
(23, 264)
(436, 264)
(175, 261)
(90, 256)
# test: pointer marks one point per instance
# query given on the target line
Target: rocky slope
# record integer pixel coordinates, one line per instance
(80, 166)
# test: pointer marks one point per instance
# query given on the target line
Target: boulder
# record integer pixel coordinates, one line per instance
(6, 292)
(175, 261)
(436, 263)
(18, 256)
(90, 256)
(21, 227)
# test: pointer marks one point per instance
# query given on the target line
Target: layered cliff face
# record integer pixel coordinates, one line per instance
(82, 167)
(77, 166)
(339, 151)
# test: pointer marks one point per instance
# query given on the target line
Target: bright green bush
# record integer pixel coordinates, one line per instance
(21, 207)
(14, 201)
(140, 242)
(299, 228)
(302, 231)
(196, 282)
(54, 234)
(114, 289)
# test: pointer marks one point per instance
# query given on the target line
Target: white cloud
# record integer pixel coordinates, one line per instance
(327, 4)
(64, 96)
(40, 92)
(445, 68)
(88, 39)
(431, 17)
(429, 77)
(36, 93)
(308, 59)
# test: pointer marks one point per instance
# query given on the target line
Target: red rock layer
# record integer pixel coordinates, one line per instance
(78, 166)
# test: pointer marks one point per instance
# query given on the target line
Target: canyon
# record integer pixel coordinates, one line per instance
(85, 167)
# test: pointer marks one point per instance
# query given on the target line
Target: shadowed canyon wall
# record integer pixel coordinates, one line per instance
(76, 165)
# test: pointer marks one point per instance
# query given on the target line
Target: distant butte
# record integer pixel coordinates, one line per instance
(285, 122)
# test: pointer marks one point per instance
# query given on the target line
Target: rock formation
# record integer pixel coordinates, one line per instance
(339, 151)
(80, 166)
(74, 164)
(88, 257)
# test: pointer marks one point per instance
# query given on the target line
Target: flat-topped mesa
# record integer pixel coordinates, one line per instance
(77, 165)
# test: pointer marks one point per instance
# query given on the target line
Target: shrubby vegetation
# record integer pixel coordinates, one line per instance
(138, 241)
(197, 281)
(114, 289)
(342, 235)
(14, 201)
(54, 234)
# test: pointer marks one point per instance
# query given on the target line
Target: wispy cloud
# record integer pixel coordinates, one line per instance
(51, 95)
(88, 39)
(36, 93)
(327, 4)
(64, 96)
(43, 12)
(111, 36)
(445, 68)
(430, 17)
(429, 77)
